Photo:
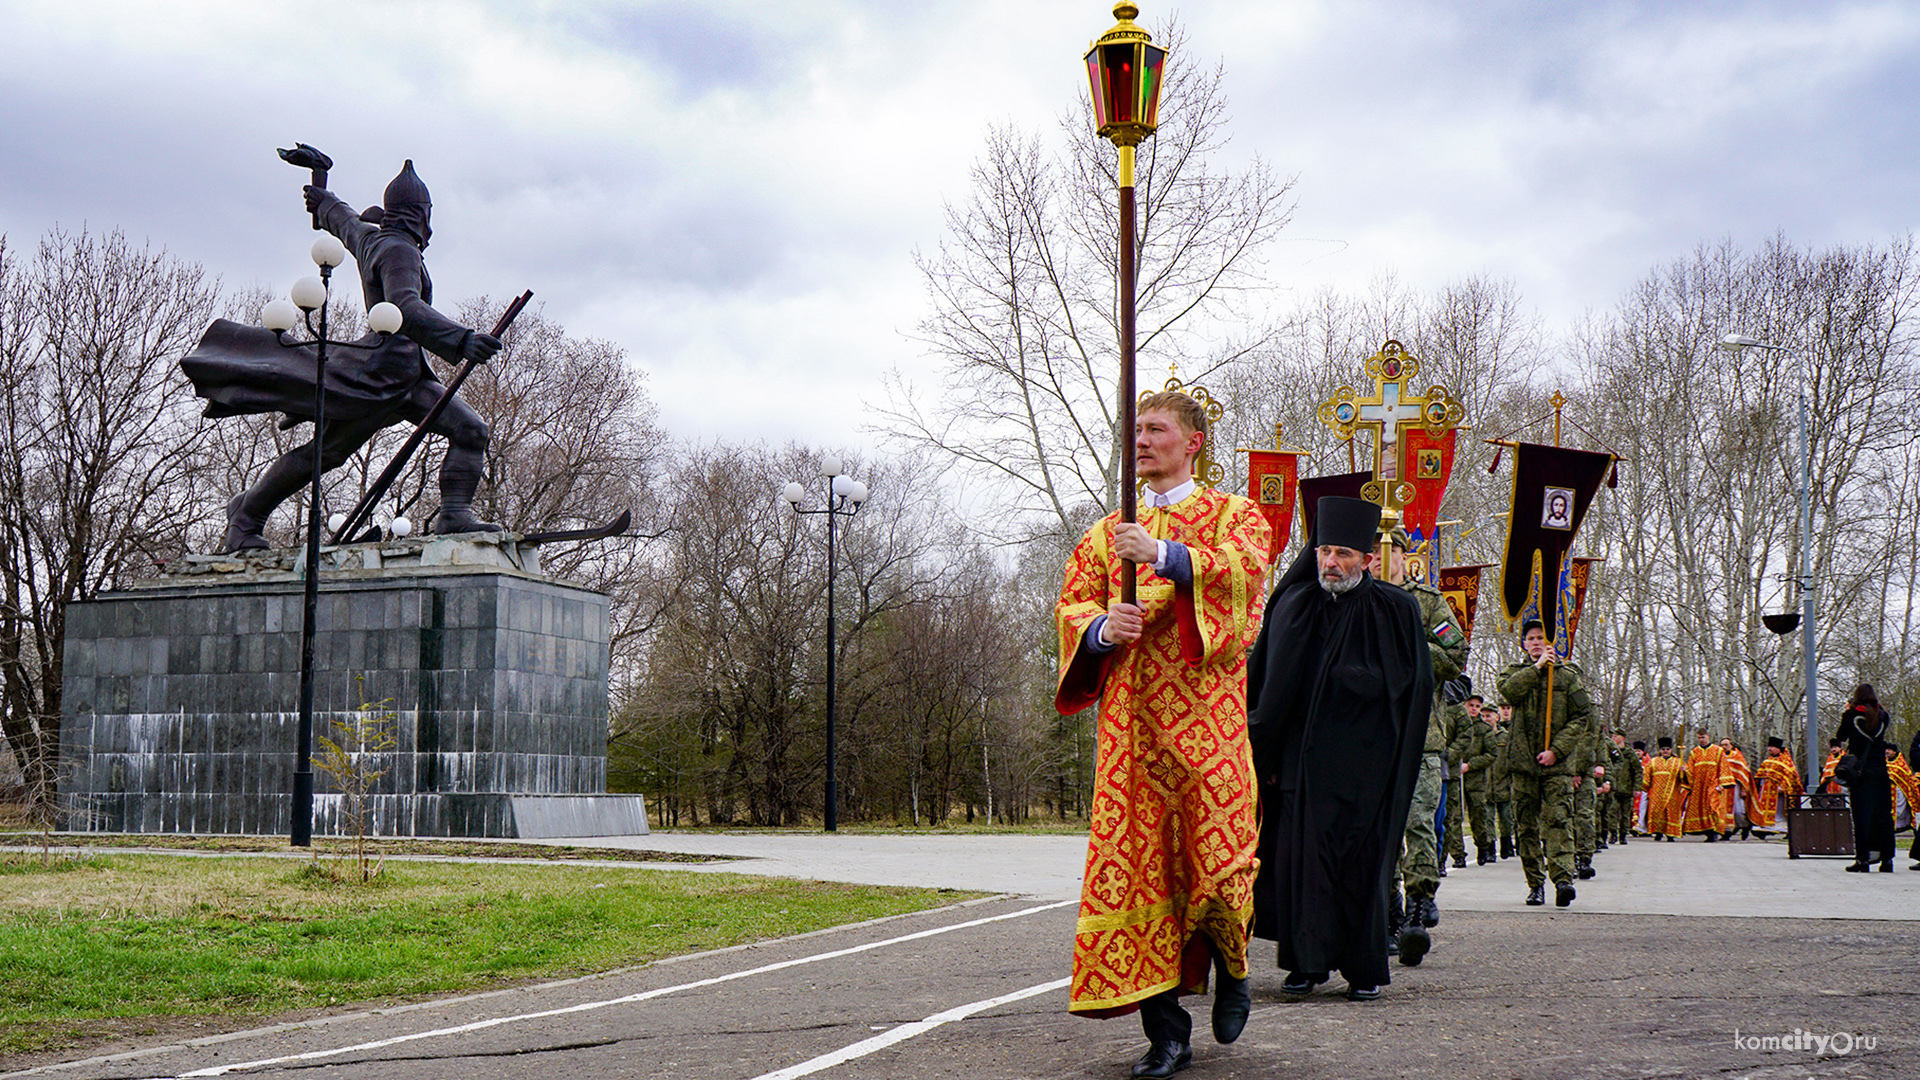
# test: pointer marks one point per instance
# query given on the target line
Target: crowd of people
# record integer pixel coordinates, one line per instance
(1303, 764)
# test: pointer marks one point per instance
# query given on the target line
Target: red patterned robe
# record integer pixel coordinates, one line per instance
(1706, 768)
(1170, 863)
(1774, 779)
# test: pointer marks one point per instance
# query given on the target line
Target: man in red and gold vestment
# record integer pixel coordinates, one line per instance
(1828, 785)
(1736, 791)
(1775, 779)
(1906, 789)
(1170, 861)
(1706, 767)
(1666, 792)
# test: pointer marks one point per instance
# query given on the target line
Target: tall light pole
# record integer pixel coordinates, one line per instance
(845, 497)
(1124, 71)
(1808, 592)
(309, 294)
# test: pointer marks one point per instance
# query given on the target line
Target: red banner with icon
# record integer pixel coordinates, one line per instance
(1461, 586)
(1273, 478)
(1426, 461)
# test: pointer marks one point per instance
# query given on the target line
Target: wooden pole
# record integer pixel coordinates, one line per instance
(1129, 500)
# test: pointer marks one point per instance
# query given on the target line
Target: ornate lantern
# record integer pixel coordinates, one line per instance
(1124, 71)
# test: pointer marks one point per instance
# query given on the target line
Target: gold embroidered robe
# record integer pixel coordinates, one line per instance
(1170, 862)
(1706, 767)
(1773, 779)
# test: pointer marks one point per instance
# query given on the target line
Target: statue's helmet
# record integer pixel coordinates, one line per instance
(407, 206)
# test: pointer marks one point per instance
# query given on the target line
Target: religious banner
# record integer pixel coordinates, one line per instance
(1570, 587)
(1272, 477)
(1315, 488)
(1552, 488)
(1579, 571)
(1461, 586)
(1428, 464)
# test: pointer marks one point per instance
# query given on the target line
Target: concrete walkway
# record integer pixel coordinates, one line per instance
(1746, 879)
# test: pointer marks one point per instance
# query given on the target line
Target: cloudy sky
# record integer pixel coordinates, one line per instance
(734, 189)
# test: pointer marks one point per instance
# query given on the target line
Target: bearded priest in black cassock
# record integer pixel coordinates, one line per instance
(1339, 687)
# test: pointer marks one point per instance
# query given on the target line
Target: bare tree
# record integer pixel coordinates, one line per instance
(95, 423)
(1024, 298)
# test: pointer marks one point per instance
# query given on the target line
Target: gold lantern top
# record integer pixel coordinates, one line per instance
(1124, 72)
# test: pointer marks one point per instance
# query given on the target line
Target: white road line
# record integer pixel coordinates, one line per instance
(905, 1032)
(589, 1006)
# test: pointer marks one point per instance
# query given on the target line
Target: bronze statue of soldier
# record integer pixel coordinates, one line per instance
(243, 370)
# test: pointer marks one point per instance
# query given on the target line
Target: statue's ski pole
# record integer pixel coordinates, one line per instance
(364, 508)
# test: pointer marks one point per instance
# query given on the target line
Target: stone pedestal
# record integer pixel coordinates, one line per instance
(181, 697)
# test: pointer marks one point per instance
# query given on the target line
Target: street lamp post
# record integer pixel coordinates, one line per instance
(308, 295)
(845, 497)
(1808, 591)
(1124, 71)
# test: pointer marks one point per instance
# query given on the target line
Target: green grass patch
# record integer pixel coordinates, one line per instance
(86, 946)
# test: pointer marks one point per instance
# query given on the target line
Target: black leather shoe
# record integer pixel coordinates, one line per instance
(1232, 1000)
(1163, 1060)
(1363, 993)
(1301, 983)
(1857, 868)
(1711, 837)
(1562, 894)
(1414, 943)
(1538, 896)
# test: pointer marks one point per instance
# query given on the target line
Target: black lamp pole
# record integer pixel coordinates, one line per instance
(309, 297)
(843, 500)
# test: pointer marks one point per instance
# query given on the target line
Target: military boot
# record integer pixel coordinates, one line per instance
(248, 512)
(459, 478)
(1506, 847)
(1583, 867)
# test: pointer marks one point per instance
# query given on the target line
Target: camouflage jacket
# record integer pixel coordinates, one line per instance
(1447, 647)
(1524, 686)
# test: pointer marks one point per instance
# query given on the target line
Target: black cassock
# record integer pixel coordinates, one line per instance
(1339, 689)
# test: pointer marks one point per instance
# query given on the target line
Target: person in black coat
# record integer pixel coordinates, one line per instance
(1864, 729)
(1913, 762)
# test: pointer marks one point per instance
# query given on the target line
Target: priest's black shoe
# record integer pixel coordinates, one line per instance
(1538, 896)
(1301, 983)
(1712, 836)
(1562, 894)
(1163, 1060)
(1363, 993)
(1232, 1000)
(1414, 943)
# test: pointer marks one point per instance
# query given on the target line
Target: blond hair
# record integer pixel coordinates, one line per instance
(1181, 407)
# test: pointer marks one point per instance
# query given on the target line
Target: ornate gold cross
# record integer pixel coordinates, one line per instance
(1392, 406)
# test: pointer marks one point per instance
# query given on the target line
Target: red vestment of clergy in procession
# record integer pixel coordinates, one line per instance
(1736, 789)
(1666, 797)
(1706, 767)
(1170, 862)
(1775, 778)
(1905, 785)
(1828, 785)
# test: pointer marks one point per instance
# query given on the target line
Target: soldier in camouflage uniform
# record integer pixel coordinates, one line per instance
(1476, 773)
(1455, 838)
(1500, 782)
(1624, 777)
(1590, 768)
(1419, 861)
(1542, 770)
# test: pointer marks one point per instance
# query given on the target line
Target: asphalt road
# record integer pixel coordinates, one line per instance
(977, 990)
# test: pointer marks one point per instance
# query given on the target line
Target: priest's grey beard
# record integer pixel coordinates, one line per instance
(1339, 586)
